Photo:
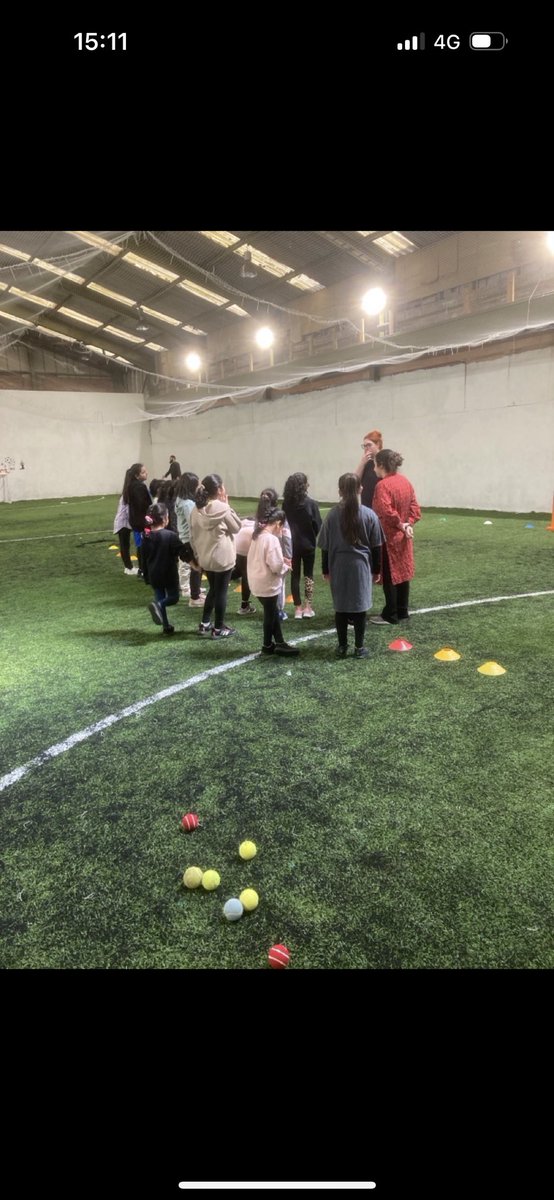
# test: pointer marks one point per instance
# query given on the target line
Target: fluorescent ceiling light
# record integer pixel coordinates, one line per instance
(46, 266)
(32, 298)
(129, 337)
(123, 360)
(264, 261)
(154, 346)
(55, 334)
(198, 332)
(204, 293)
(153, 312)
(3, 287)
(96, 287)
(395, 243)
(14, 253)
(366, 232)
(235, 308)
(93, 239)
(305, 283)
(144, 265)
(70, 312)
(220, 236)
(12, 317)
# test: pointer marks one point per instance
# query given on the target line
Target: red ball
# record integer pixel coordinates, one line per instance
(278, 957)
(190, 821)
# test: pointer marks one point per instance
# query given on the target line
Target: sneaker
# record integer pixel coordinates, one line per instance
(205, 629)
(155, 613)
(225, 631)
(196, 603)
(308, 611)
(379, 621)
(283, 616)
(268, 649)
(245, 610)
(131, 570)
(298, 613)
(283, 649)
(361, 651)
(340, 652)
(168, 629)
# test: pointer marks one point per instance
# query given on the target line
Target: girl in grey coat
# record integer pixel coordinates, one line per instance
(350, 540)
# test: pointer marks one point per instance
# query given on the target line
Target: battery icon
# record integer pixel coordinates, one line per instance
(487, 41)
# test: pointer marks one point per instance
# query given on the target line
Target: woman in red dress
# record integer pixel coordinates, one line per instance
(394, 502)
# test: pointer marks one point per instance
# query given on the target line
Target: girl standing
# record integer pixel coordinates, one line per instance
(395, 503)
(137, 496)
(350, 541)
(160, 549)
(189, 578)
(213, 525)
(266, 567)
(304, 518)
(122, 527)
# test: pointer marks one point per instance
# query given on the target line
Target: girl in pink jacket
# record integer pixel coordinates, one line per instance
(266, 566)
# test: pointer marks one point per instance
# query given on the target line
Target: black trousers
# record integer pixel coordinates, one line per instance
(124, 536)
(396, 594)
(272, 624)
(239, 572)
(216, 597)
(359, 623)
(307, 558)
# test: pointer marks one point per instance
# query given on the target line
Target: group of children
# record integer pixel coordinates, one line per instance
(191, 528)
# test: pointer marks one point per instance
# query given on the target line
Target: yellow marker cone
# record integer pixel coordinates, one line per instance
(447, 655)
(113, 547)
(491, 668)
(238, 589)
(118, 555)
(289, 600)
(134, 558)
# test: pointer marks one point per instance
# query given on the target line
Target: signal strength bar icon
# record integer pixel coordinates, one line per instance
(413, 43)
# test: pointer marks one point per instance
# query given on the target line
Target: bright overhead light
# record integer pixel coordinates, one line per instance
(259, 259)
(96, 287)
(93, 239)
(220, 236)
(70, 312)
(366, 232)
(193, 362)
(154, 346)
(12, 317)
(129, 337)
(264, 338)
(235, 308)
(550, 241)
(198, 332)
(202, 292)
(395, 243)
(374, 301)
(153, 312)
(54, 333)
(144, 264)
(14, 253)
(305, 283)
(46, 266)
(3, 287)
(42, 303)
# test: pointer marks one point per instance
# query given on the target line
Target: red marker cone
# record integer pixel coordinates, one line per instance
(400, 644)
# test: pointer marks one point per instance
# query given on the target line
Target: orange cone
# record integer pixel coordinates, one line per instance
(400, 644)
(551, 526)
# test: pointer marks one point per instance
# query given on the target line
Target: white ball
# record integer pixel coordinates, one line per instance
(233, 909)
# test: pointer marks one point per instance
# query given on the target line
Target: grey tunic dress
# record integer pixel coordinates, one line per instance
(350, 566)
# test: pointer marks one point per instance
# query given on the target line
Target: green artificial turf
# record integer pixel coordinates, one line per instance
(402, 807)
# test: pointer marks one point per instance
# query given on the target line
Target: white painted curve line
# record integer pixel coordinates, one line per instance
(132, 709)
(334, 1186)
(47, 536)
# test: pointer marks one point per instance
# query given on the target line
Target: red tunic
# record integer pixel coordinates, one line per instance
(395, 503)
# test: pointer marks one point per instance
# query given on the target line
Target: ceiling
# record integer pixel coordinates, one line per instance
(59, 270)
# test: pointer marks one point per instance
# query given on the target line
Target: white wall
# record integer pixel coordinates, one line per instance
(72, 443)
(480, 436)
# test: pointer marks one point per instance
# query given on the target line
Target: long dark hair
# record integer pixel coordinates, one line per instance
(156, 514)
(273, 514)
(208, 489)
(166, 493)
(129, 476)
(349, 509)
(187, 485)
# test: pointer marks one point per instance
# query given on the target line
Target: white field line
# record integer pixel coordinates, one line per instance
(133, 709)
(46, 536)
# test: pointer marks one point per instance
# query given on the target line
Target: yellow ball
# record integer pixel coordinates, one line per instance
(247, 849)
(210, 880)
(192, 877)
(249, 899)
